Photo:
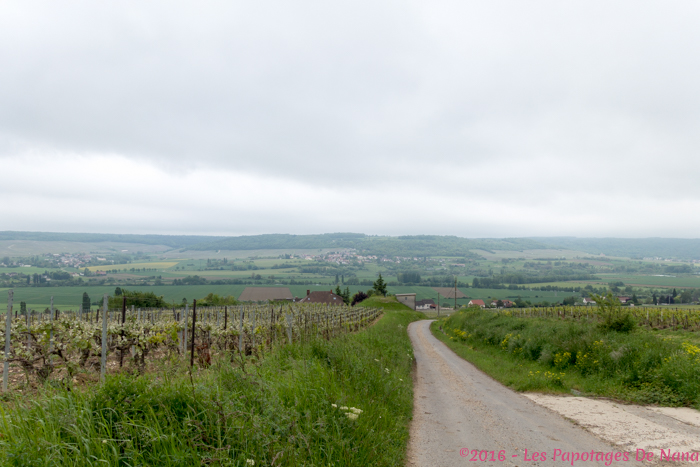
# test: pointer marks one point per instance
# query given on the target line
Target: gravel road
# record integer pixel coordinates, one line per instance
(456, 406)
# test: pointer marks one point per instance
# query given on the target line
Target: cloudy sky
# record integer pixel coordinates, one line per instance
(478, 119)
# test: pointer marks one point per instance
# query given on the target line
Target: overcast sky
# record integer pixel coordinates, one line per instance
(476, 119)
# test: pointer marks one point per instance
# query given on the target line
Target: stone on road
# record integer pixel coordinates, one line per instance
(458, 407)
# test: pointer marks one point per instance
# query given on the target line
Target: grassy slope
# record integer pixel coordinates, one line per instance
(522, 353)
(280, 408)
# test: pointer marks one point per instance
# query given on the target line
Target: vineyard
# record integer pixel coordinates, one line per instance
(652, 317)
(60, 345)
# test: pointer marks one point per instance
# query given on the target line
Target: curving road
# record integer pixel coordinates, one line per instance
(456, 406)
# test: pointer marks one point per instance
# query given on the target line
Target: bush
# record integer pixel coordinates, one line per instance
(614, 318)
(359, 297)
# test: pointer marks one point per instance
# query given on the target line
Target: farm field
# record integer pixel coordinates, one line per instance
(653, 280)
(126, 267)
(27, 270)
(240, 254)
(15, 248)
(527, 255)
(71, 297)
(649, 281)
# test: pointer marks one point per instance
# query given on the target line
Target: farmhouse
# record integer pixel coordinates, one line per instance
(477, 303)
(587, 301)
(506, 303)
(408, 299)
(424, 304)
(320, 296)
(261, 294)
(624, 299)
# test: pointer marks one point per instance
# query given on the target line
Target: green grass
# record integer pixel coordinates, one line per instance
(280, 409)
(553, 355)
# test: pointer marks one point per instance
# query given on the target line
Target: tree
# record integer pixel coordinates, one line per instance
(687, 296)
(408, 277)
(138, 299)
(118, 291)
(380, 286)
(569, 301)
(22, 308)
(358, 297)
(337, 281)
(86, 302)
(614, 318)
(216, 300)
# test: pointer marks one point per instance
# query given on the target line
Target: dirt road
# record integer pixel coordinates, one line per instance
(458, 407)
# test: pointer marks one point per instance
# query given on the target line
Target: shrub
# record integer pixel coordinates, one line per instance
(358, 297)
(614, 318)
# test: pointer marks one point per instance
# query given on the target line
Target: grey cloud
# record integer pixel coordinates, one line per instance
(547, 100)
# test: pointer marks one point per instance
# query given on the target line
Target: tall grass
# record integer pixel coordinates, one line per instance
(293, 408)
(638, 366)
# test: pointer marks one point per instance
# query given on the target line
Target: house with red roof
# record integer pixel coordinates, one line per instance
(320, 296)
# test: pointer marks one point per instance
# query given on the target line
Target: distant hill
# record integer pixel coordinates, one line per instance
(406, 245)
(282, 241)
(679, 248)
(413, 245)
(173, 241)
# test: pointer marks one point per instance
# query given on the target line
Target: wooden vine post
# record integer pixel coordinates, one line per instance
(8, 334)
(194, 322)
(103, 361)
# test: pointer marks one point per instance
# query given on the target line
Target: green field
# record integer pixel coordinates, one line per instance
(71, 297)
(14, 248)
(126, 267)
(653, 281)
(26, 270)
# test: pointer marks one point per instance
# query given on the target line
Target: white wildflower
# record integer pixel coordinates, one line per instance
(343, 408)
(376, 360)
(400, 379)
(334, 405)
(250, 461)
(351, 416)
(386, 370)
(355, 410)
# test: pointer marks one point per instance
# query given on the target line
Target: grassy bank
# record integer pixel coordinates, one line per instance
(343, 402)
(553, 355)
